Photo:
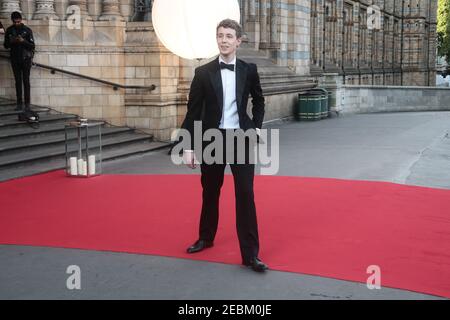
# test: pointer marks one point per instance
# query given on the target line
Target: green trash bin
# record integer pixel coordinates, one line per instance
(324, 102)
(309, 105)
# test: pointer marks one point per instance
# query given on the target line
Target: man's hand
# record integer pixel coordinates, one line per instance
(189, 158)
(16, 40)
(259, 139)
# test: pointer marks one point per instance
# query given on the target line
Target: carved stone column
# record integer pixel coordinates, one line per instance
(274, 21)
(263, 42)
(9, 6)
(243, 5)
(251, 24)
(45, 9)
(111, 10)
(252, 8)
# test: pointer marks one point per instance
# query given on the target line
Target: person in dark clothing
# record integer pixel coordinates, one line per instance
(19, 39)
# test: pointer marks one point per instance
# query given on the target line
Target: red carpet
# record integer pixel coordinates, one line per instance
(327, 227)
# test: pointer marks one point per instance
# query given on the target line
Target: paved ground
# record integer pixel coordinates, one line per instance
(410, 148)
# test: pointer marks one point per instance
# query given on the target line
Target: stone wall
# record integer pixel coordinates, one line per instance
(364, 99)
(99, 57)
(147, 62)
(281, 28)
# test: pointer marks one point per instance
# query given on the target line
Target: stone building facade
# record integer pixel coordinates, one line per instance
(400, 50)
(114, 40)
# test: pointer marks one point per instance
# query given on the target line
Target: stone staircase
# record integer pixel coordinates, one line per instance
(26, 151)
(275, 79)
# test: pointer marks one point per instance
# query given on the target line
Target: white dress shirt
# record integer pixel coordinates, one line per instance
(230, 116)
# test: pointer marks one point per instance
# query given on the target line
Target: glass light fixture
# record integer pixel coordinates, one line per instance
(188, 27)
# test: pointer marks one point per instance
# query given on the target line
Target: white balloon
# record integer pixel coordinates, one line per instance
(188, 27)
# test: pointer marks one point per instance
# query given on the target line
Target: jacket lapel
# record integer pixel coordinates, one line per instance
(216, 81)
(241, 78)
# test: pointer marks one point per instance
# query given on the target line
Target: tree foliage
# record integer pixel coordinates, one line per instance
(443, 29)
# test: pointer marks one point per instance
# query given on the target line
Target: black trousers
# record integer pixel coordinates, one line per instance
(21, 71)
(212, 176)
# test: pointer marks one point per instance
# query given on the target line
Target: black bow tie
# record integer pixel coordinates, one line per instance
(227, 66)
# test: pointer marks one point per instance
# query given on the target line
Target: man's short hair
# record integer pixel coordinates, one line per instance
(231, 24)
(16, 15)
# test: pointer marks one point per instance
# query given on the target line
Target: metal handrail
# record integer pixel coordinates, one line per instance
(115, 86)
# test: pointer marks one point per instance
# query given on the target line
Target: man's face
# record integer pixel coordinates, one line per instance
(17, 22)
(227, 41)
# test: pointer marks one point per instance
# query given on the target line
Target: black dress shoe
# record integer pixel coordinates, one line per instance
(256, 264)
(199, 245)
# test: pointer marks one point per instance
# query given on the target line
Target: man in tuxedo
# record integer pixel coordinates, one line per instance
(218, 98)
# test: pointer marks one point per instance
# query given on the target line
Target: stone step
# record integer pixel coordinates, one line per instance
(54, 150)
(27, 151)
(274, 78)
(260, 61)
(9, 115)
(275, 70)
(45, 119)
(38, 140)
(56, 163)
(9, 108)
(287, 89)
(284, 77)
(280, 81)
(44, 128)
(6, 102)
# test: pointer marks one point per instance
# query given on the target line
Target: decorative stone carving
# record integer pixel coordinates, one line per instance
(111, 11)
(45, 9)
(9, 6)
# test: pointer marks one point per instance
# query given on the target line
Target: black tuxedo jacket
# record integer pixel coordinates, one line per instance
(206, 97)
